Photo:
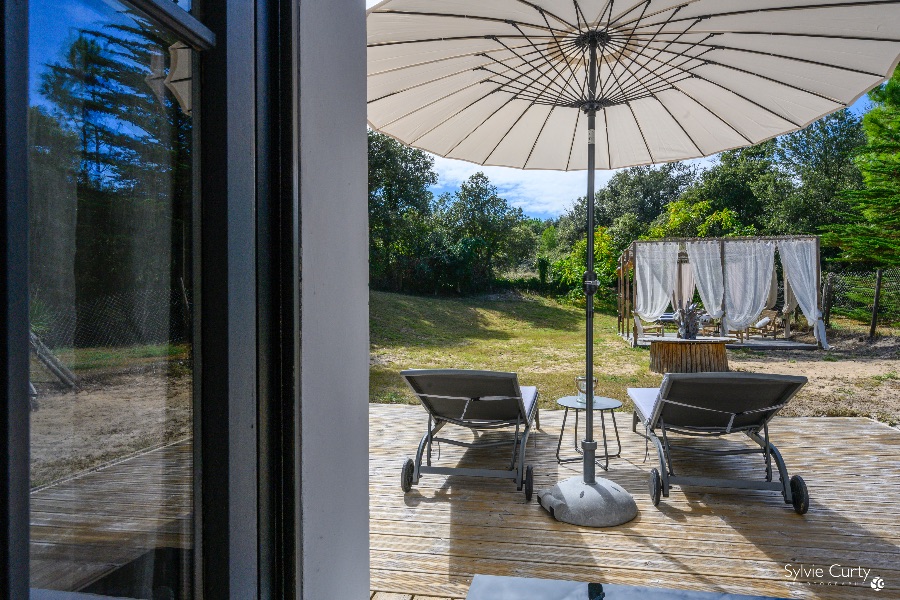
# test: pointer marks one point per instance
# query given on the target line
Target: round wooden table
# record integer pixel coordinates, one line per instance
(672, 355)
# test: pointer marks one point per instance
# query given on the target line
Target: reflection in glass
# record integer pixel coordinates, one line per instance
(111, 194)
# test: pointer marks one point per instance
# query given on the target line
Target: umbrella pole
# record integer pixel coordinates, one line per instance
(589, 446)
(586, 500)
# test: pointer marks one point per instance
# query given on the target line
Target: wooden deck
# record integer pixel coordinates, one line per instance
(433, 540)
(85, 528)
(428, 544)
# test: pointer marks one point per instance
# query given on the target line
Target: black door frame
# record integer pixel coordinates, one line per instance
(246, 370)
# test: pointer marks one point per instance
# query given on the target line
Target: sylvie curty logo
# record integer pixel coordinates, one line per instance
(877, 584)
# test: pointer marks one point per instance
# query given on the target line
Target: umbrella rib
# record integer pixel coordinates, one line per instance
(424, 106)
(498, 20)
(534, 145)
(572, 143)
(666, 108)
(561, 53)
(823, 36)
(460, 38)
(512, 81)
(716, 115)
(474, 129)
(662, 71)
(579, 17)
(460, 111)
(753, 102)
(562, 91)
(544, 11)
(546, 60)
(439, 60)
(503, 137)
(537, 96)
(625, 46)
(786, 57)
(773, 80)
(795, 7)
(615, 22)
(608, 149)
(641, 129)
(612, 68)
(608, 6)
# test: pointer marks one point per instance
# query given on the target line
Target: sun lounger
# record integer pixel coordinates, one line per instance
(717, 404)
(479, 400)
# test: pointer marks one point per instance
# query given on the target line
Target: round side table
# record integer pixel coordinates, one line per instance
(600, 403)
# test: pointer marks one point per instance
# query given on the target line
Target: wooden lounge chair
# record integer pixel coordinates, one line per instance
(642, 329)
(711, 405)
(477, 400)
(767, 325)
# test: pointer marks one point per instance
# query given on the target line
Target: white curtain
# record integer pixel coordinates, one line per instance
(800, 262)
(773, 291)
(790, 303)
(684, 287)
(706, 265)
(655, 271)
(748, 278)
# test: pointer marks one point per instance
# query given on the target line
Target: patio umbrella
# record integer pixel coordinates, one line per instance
(586, 84)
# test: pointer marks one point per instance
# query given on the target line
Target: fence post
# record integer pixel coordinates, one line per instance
(829, 299)
(875, 304)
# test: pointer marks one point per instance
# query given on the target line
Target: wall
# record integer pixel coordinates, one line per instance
(334, 301)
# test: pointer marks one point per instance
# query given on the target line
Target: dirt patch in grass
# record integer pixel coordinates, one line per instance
(857, 377)
(111, 416)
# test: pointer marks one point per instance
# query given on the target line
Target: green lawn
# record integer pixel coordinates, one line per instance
(541, 340)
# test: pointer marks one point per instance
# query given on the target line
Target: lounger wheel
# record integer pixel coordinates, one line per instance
(655, 486)
(799, 495)
(529, 483)
(406, 476)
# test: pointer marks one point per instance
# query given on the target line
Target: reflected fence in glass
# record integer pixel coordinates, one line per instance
(112, 170)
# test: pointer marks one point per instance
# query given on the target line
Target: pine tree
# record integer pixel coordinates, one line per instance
(873, 236)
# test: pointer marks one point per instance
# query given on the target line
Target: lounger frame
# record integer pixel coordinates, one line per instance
(758, 432)
(437, 421)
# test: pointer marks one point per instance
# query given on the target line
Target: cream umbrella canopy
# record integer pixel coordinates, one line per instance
(585, 84)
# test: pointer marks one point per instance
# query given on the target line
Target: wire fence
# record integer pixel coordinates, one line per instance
(851, 294)
(149, 316)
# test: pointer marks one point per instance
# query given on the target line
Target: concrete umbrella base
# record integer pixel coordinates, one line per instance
(602, 504)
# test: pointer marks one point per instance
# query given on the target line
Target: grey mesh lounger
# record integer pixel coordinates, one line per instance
(476, 400)
(716, 404)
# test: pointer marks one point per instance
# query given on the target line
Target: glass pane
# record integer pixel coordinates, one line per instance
(111, 240)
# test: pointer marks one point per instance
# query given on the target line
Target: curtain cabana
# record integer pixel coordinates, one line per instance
(735, 278)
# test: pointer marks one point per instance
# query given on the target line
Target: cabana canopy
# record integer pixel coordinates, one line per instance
(735, 278)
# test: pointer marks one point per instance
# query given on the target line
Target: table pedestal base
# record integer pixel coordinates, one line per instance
(601, 504)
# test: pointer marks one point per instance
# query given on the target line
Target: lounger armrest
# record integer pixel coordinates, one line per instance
(645, 400)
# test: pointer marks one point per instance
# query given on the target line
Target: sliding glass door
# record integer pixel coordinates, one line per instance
(112, 156)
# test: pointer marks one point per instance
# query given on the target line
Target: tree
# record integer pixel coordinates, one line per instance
(817, 166)
(495, 229)
(736, 183)
(568, 272)
(399, 205)
(641, 191)
(872, 234)
(689, 218)
(126, 148)
(625, 229)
